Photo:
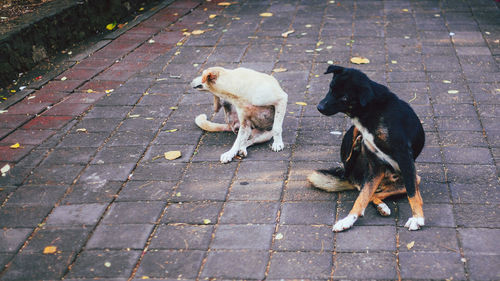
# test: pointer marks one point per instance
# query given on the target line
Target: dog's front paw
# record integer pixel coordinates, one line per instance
(383, 209)
(227, 157)
(345, 223)
(278, 146)
(414, 223)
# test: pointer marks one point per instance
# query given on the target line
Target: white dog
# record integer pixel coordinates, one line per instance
(254, 107)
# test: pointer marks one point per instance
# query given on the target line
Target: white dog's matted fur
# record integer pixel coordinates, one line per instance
(254, 107)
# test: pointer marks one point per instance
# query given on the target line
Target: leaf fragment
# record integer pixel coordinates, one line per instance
(453, 92)
(266, 15)
(212, 16)
(111, 26)
(49, 250)
(134, 115)
(171, 130)
(278, 236)
(16, 145)
(224, 4)
(90, 91)
(410, 245)
(301, 103)
(64, 78)
(172, 155)
(173, 107)
(285, 34)
(280, 69)
(5, 169)
(447, 81)
(109, 91)
(197, 32)
(107, 264)
(360, 60)
(82, 130)
(206, 221)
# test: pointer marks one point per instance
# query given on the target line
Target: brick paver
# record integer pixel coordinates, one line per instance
(89, 179)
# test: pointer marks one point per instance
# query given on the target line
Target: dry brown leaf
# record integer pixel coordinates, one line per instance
(50, 250)
(266, 15)
(360, 60)
(224, 4)
(197, 32)
(301, 103)
(16, 145)
(172, 155)
(410, 245)
(280, 69)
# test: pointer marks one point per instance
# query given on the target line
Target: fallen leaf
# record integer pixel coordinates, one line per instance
(178, 194)
(172, 155)
(171, 130)
(64, 78)
(224, 4)
(145, 277)
(206, 221)
(453, 92)
(498, 90)
(90, 91)
(141, 9)
(197, 32)
(410, 245)
(107, 264)
(212, 16)
(109, 91)
(3, 111)
(360, 60)
(16, 145)
(279, 236)
(405, 10)
(285, 34)
(173, 107)
(31, 97)
(50, 250)
(83, 130)
(301, 103)
(280, 69)
(111, 26)
(134, 115)
(5, 169)
(266, 15)
(308, 25)
(337, 133)
(394, 61)
(120, 26)
(329, 62)
(447, 81)
(151, 41)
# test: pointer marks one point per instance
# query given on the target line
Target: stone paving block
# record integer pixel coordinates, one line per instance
(182, 236)
(119, 99)
(92, 192)
(134, 212)
(108, 112)
(14, 155)
(47, 122)
(310, 212)
(104, 264)
(36, 195)
(66, 239)
(229, 265)
(81, 139)
(467, 193)
(210, 171)
(378, 265)
(124, 138)
(147, 190)
(262, 170)
(304, 191)
(255, 212)
(303, 238)
(215, 190)
(256, 190)
(95, 125)
(28, 108)
(314, 265)
(11, 239)
(24, 137)
(479, 240)
(120, 236)
(55, 174)
(78, 214)
(158, 171)
(471, 174)
(118, 154)
(192, 212)
(250, 237)
(428, 239)
(171, 264)
(469, 155)
(483, 267)
(366, 238)
(28, 266)
(438, 265)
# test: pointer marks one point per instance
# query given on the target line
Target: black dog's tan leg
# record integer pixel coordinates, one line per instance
(416, 203)
(388, 190)
(360, 204)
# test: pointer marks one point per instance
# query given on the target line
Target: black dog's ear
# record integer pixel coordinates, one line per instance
(335, 69)
(366, 95)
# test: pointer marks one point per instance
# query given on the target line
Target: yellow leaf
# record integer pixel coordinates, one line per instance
(266, 15)
(16, 145)
(212, 16)
(197, 32)
(171, 130)
(107, 264)
(453, 92)
(141, 9)
(405, 10)
(111, 26)
(83, 130)
(64, 78)
(285, 34)
(359, 60)
(173, 107)
(206, 221)
(145, 277)
(172, 155)
(224, 4)
(50, 250)
(410, 245)
(281, 69)
(447, 81)
(90, 91)
(109, 91)
(394, 61)
(134, 115)
(301, 103)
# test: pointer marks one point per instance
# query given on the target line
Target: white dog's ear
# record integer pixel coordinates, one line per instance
(209, 76)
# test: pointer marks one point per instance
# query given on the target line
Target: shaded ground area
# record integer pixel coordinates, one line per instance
(85, 192)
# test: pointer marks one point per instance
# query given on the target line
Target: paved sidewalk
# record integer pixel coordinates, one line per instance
(89, 195)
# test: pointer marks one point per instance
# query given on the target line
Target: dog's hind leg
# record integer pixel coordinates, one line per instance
(258, 136)
(279, 115)
(360, 204)
(386, 191)
(243, 135)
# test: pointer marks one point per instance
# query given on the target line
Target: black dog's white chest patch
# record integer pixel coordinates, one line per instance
(368, 140)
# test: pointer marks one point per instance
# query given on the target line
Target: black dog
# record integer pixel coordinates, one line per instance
(378, 152)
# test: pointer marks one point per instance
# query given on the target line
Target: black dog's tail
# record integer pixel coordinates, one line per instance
(330, 180)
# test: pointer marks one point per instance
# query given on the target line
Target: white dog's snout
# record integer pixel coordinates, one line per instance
(196, 83)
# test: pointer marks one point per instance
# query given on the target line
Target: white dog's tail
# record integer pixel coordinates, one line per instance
(330, 180)
(203, 123)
